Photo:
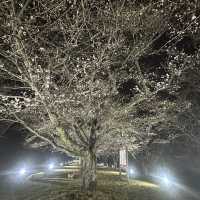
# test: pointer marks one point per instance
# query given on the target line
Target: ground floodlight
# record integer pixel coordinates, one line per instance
(131, 171)
(166, 181)
(51, 166)
(165, 177)
(22, 171)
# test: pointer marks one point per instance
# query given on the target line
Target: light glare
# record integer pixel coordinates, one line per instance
(131, 171)
(165, 177)
(51, 166)
(22, 171)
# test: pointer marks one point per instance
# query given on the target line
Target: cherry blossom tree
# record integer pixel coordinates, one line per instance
(74, 73)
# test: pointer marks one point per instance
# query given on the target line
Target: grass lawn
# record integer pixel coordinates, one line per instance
(110, 187)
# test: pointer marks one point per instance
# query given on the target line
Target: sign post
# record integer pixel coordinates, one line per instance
(123, 160)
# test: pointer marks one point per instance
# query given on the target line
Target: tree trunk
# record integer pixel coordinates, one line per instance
(144, 169)
(88, 171)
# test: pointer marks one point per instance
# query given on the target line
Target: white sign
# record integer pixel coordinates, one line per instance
(123, 158)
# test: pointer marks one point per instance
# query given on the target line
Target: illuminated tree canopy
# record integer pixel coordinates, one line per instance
(85, 77)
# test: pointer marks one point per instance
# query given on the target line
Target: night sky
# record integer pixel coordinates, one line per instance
(13, 151)
(11, 144)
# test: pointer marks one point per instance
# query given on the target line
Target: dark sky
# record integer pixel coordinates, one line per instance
(10, 140)
(13, 151)
(10, 144)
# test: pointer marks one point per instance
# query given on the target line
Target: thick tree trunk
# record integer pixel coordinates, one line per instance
(88, 171)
